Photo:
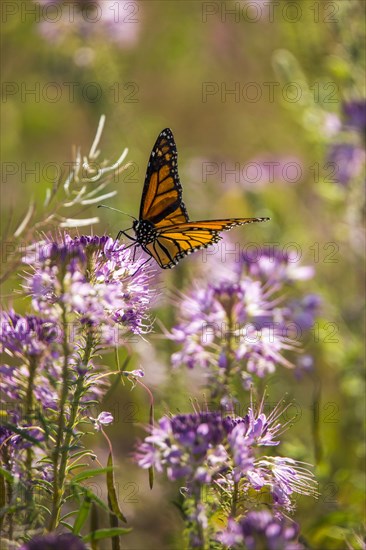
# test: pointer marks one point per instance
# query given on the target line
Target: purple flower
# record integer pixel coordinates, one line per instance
(54, 541)
(137, 373)
(110, 20)
(355, 114)
(302, 313)
(103, 419)
(207, 448)
(266, 170)
(261, 529)
(29, 335)
(304, 364)
(95, 281)
(348, 160)
(183, 444)
(283, 476)
(272, 264)
(10, 383)
(241, 322)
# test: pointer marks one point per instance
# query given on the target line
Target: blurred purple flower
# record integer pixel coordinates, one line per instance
(117, 21)
(54, 541)
(272, 264)
(261, 529)
(242, 322)
(355, 114)
(304, 365)
(332, 124)
(266, 170)
(302, 313)
(30, 431)
(348, 160)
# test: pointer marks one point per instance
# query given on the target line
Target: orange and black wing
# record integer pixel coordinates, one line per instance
(161, 201)
(173, 243)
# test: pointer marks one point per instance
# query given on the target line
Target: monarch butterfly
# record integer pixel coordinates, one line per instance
(163, 229)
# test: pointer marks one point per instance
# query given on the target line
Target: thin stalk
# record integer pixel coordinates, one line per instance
(229, 352)
(29, 400)
(30, 388)
(9, 489)
(57, 490)
(200, 531)
(234, 501)
(65, 449)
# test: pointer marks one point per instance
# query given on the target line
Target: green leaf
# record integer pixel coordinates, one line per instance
(82, 515)
(67, 525)
(76, 466)
(113, 522)
(42, 507)
(84, 452)
(151, 477)
(89, 473)
(107, 533)
(93, 497)
(43, 484)
(69, 514)
(45, 424)
(112, 495)
(6, 475)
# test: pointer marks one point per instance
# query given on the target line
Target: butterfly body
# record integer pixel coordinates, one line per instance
(163, 229)
(145, 231)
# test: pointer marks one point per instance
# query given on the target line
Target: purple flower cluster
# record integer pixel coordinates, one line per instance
(29, 334)
(93, 280)
(110, 20)
(240, 321)
(30, 339)
(207, 448)
(79, 287)
(261, 529)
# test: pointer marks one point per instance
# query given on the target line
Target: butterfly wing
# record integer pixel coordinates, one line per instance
(161, 202)
(173, 243)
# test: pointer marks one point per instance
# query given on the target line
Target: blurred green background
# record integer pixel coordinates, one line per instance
(151, 64)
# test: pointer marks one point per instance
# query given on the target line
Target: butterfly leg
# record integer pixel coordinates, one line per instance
(129, 246)
(126, 235)
(138, 269)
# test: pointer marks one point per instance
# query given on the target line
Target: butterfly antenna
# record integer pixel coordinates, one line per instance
(116, 210)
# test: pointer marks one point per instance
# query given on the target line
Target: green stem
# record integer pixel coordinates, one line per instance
(57, 490)
(234, 502)
(229, 353)
(7, 487)
(30, 388)
(198, 530)
(29, 400)
(63, 452)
